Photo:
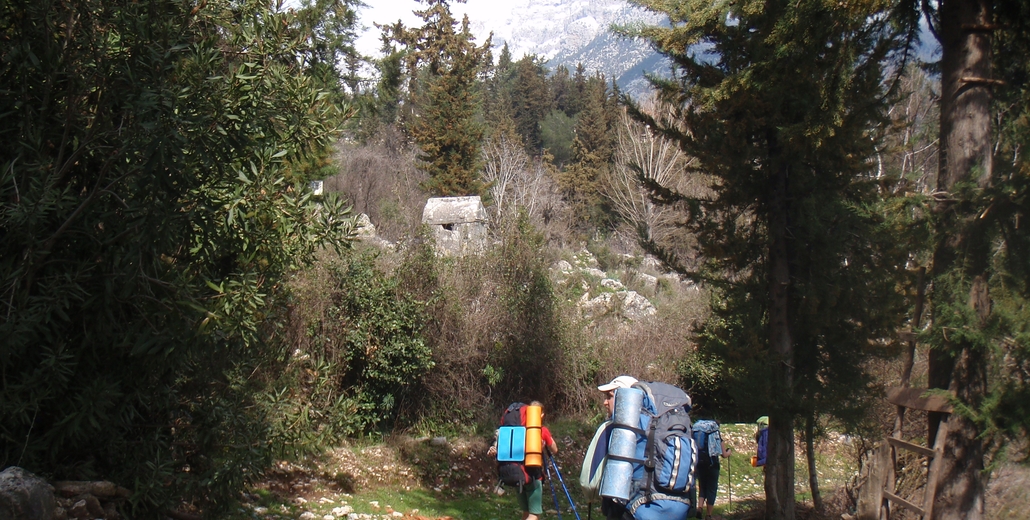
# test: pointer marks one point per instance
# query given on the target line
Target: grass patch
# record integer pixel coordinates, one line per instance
(455, 479)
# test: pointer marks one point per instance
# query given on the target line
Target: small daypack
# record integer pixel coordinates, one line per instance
(511, 438)
(665, 447)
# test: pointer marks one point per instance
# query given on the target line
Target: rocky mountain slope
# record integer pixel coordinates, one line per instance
(568, 32)
(561, 32)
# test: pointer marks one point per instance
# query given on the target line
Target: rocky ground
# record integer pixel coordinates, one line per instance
(325, 488)
(337, 485)
(388, 479)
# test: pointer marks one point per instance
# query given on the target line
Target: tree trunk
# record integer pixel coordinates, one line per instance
(961, 253)
(813, 475)
(779, 470)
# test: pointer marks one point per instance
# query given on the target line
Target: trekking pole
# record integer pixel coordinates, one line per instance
(554, 495)
(562, 481)
(729, 476)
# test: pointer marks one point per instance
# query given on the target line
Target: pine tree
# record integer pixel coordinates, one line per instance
(577, 96)
(979, 275)
(530, 101)
(444, 67)
(779, 110)
(497, 102)
(560, 87)
(591, 154)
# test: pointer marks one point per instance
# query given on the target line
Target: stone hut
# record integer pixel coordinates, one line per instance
(458, 224)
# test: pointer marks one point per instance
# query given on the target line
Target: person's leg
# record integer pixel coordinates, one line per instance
(523, 496)
(709, 478)
(704, 495)
(534, 500)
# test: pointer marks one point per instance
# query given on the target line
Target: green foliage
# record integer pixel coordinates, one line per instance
(327, 27)
(557, 132)
(147, 228)
(382, 345)
(380, 106)
(592, 150)
(780, 108)
(363, 358)
(444, 67)
(530, 101)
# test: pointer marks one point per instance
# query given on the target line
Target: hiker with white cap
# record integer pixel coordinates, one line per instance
(609, 390)
(597, 451)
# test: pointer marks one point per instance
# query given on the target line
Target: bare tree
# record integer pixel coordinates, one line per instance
(519, 183)
(380, 179)
(504, 162)
(642, 154)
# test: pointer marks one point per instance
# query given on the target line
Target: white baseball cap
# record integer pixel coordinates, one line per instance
(618, 382)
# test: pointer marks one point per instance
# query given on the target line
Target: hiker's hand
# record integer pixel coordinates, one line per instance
(492, 451)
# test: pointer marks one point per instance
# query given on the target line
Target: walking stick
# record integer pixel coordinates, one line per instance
(729, 476)
(562, 481)
(554, 495)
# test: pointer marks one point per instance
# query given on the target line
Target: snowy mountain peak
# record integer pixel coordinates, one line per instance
(563, 32)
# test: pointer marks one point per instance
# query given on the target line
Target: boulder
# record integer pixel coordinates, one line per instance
(364, 227)
(25, 496)
(635, 306)
(649, 281)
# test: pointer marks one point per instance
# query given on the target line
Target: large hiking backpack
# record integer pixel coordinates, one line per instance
(666, 449)
(511, 438)
(708, 442)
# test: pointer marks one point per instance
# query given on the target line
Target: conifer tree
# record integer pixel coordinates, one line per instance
(329, 26)
(560, 86)
(444, 67)
(778, 108)
(497, 102)
(577, 97)
(530, 101)
(591, 154)
(979, 273)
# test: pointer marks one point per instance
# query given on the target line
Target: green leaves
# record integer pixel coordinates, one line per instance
(443, 65)
(779, 103)
(148, 226)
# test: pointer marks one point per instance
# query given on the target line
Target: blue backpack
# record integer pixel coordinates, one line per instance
(511, 444)
(666, 451)
(707, 444)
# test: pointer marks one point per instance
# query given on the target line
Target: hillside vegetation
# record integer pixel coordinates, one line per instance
(797, 217)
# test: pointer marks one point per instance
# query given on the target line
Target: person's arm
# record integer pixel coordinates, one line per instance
(493, 448)
(552, 446)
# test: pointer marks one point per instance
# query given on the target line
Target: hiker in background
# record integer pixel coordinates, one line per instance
(597, 451)
(762, 439)
(709, 448)
(531, 495)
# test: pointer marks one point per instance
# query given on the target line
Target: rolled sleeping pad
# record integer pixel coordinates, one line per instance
(617, 480)
(534, 437)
